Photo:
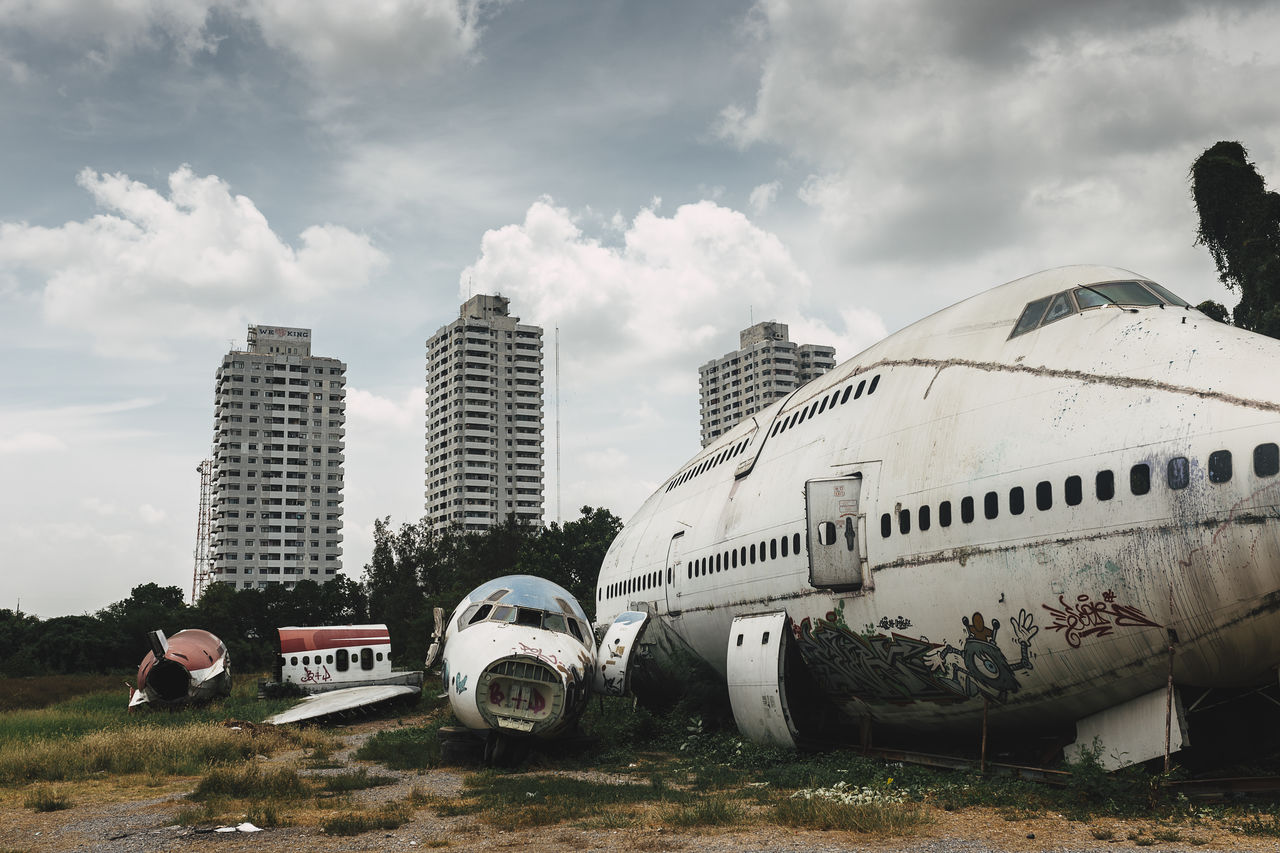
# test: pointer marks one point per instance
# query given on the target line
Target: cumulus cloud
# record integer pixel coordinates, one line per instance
(946, 131)
(154, 269)
(344, 43)
(674, 293)
(105, 29)
(335, 42)
(763, 197)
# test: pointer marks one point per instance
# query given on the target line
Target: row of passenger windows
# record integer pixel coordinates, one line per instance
(366, 658)
(708, 464)
(768, 549)
(1266, 463)
(825, 403)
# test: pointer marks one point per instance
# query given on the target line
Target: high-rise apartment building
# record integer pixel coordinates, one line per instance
(277, 471)
(484, 418)
(766, 366)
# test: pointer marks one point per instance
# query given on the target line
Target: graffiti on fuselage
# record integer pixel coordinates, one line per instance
(895, 668)
(1085, 617)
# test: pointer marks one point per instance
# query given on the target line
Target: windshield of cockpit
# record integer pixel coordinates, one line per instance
(530, 617)
(1124, 294)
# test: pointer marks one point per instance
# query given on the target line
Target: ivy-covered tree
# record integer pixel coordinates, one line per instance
(1240, 226)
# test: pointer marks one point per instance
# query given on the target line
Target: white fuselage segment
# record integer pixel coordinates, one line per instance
(1013, 551)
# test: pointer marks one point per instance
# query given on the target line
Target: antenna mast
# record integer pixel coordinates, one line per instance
(200, 574)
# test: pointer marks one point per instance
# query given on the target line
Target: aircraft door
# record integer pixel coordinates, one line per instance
(837, 533)
(675, 565)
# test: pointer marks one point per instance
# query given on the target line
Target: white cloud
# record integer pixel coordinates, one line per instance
(30, 442)
(193, 265)
(343, 43)
(947, 133)
(338, 43)
(763, 197)
(105, 29)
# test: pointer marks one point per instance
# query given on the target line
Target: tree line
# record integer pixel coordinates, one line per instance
(413, 569)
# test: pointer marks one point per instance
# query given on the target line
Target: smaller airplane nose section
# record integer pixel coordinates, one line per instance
(522, 694)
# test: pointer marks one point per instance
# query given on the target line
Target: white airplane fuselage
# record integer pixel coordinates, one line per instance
(956, 517)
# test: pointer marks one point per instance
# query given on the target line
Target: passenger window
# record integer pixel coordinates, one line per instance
(734, 557)
(784, 545)
(844, 398)
(858, 393)
(343, 658)
(742, 555)
(773, 549)
(823, 407)
(1105, 485)
(1017, 501)
(1266, 460)
(1220, 466)
(991, 505)
(378, 656)
(1044, 495)
(306, 660)
(753, 553)
(795, 544)
(293, 661)
(1073, 490)
(924, 518)
(944, 513)
(875, 380)
(886, 525)
(366, 659)
(966, 510)
(1030, 318)
(1140, 478)
(904, 521)
(1179, 472)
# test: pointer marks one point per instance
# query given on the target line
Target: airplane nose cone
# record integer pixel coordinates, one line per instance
(521, 695)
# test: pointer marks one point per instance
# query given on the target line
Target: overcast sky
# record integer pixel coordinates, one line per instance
(648, 176)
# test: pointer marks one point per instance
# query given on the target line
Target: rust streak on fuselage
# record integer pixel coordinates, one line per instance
(1076, 375)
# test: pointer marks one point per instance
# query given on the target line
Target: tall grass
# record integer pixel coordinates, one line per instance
(95, 733)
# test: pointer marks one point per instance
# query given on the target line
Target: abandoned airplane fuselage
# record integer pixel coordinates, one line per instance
(1018, 502)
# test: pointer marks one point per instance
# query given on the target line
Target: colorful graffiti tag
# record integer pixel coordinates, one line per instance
(1086, 617)
(895, 668)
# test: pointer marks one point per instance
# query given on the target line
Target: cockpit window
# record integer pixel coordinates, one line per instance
(1119, 293)
(503, 613)
(1030, 318)
(1041, 312)
(1168, 295)
(478, 614)
(1060, 307)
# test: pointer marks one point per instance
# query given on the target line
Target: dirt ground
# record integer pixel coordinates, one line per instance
(127, 816)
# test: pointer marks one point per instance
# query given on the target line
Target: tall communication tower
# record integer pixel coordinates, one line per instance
(200, 576)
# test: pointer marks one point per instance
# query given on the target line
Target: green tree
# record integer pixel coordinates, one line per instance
(127, 623)
(1240, 226)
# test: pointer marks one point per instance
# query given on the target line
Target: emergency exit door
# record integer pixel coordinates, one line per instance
(837, 533)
